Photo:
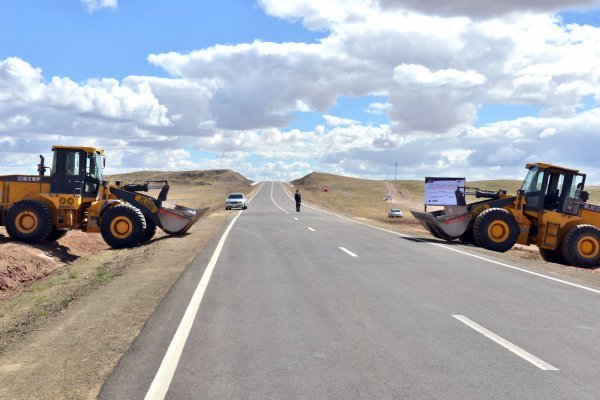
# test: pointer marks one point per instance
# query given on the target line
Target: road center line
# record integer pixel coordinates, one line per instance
(345, 250)
(162, 380)
(311, 229)
(506, 344)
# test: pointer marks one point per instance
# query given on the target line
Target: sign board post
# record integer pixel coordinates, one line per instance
(440, 191)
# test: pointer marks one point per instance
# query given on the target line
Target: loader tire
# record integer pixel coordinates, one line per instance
(149, 232)
(55, 234)
(496, 229)
(122, 226)
(581, 246)
(29, 221)
(467, 237)
(553, 256)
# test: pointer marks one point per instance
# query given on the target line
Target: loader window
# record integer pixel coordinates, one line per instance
(554, 190)
(93, 174)
(533, 187)
(573, 199)
(67, 171)
(72, 163)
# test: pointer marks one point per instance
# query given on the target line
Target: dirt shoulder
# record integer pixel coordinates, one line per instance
(69, 310)
(69, 354)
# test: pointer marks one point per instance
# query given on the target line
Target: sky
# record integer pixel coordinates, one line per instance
(278, 89)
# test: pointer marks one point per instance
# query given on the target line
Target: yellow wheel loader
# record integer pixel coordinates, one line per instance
(76, 196)
(550, 210)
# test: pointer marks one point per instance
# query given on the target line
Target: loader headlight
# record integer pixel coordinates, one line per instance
(70, 200)
(62, 200)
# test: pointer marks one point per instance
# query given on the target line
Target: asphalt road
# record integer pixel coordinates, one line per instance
(313, 306)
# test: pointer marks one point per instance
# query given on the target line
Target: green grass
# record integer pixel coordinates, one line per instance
(102, 276)
(73, 274)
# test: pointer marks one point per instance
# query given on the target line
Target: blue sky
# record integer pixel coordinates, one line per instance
(276, 90)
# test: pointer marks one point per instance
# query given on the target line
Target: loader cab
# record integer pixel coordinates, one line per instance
(76, 171)
(552, 188)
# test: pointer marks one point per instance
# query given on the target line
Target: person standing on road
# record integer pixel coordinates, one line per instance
(298, 199)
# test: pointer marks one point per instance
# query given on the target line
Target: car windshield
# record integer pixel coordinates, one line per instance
(236, 196)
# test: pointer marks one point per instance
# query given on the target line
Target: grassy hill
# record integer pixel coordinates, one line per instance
(365, 198)
(206, 177)
(197, 189)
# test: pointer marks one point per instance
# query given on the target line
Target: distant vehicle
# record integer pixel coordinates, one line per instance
(395, 213)
(236, 200)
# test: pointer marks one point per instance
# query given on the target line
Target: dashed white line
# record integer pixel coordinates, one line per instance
(506, 344)
(311, 229)
(466, 253)
(295, 218)
(345, 250)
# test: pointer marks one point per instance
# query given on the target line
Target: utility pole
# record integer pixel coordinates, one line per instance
(396, 173)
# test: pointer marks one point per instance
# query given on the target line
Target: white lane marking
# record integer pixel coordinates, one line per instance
(458, 251)
(254, 183)
(255, 193)
(162, 379)
(296, 218)
(273, 200)
(345, 250)
(506, 344)
(311, 229)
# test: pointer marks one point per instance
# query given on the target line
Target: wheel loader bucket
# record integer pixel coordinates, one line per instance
(447, 224)
(176, 220)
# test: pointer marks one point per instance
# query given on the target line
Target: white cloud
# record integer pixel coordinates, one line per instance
(377, 108)
(94, 5)
(486, 8)
(434, 72)
(337, 121)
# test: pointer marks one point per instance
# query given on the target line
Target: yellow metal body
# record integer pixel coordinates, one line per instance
(67, 209)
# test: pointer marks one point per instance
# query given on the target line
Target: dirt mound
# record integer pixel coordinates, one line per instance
(22, 264)
(401, 198)
(206, 177)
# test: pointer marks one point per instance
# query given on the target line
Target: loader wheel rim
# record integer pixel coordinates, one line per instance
(498, 231)
(121, 227)
(27, 222)
(588, 247)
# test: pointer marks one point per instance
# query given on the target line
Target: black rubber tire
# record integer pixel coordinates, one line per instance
(467, 237)
(496, 221)
(36, 213)
(149, 232)
(131, 223)
(55, 234)
(553, 256)
(576, 238)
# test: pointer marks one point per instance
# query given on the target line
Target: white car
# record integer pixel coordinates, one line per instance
(395, 213)
(236, 200)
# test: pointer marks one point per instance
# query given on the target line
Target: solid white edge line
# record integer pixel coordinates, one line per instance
(273, 200)
(458, 251)
(162, 380)
(345, 250)
(506, 344)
